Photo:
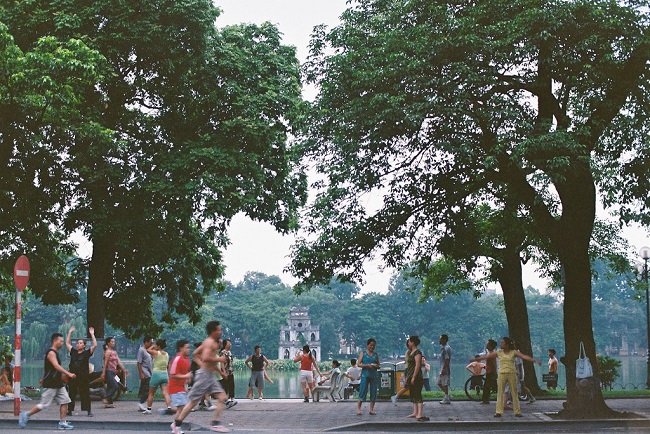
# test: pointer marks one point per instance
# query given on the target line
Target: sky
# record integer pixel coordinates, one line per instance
(255, 246)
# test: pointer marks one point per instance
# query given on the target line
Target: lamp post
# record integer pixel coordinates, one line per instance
(645, 255)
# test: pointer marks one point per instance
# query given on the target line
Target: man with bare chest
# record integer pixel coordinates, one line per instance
(205, 380)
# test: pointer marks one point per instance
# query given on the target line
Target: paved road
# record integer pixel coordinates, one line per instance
(292, 415)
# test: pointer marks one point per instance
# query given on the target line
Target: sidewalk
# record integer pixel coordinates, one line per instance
(293, 415)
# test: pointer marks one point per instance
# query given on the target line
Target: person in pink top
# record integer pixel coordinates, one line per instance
(111, 365)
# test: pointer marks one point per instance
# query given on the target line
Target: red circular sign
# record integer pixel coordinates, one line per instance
(21, 273)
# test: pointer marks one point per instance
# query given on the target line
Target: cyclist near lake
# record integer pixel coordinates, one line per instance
(476, 371)
(507, 372)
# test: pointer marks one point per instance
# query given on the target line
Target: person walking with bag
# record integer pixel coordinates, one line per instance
(111, 364)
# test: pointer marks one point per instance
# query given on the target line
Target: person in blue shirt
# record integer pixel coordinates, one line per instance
(369, 363)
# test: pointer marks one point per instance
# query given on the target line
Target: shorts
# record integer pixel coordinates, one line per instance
(256, 380)
(205, 383)
(179, 399)
(59, 396)
(552, 383)
(158, 378)
(305, 377)
(444, 380)
(477, 381)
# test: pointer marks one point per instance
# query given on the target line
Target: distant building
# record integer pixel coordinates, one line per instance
(297, 333)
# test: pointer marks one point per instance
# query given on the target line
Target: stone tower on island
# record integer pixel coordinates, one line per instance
(297, 333)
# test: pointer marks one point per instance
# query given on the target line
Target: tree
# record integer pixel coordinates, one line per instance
(191, 127)
(43, 107)
(437, 108)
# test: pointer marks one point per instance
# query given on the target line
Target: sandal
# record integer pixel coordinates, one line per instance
(423, 419)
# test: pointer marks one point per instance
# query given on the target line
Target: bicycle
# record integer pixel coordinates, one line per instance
(474, 389)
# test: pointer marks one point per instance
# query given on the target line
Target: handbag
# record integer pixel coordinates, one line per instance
(583, 366)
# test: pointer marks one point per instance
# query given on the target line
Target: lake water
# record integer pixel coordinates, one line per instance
(285, 384)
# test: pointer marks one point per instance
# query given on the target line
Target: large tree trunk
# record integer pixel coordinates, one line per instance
(514, 302)
(584, 397)
(100, 280)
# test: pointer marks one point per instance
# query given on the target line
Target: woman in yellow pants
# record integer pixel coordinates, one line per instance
(507, 372)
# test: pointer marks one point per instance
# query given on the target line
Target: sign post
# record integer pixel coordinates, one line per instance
(21, 279)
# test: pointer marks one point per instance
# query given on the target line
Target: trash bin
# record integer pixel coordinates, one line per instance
(400, 373)
(387, 382)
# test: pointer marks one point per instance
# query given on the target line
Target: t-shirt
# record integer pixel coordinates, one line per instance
(144, 360)
(180, 365)
(354, 372)
(445, 354)
(506, 361)
(425, 373)
(519, 368)
(79, 362)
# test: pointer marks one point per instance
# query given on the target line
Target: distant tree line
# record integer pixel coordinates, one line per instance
(253, 311)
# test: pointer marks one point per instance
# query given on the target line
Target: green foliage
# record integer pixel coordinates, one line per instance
(44, 107)
(608, 371)
(186, 126)
(389, 318)
(528, 109)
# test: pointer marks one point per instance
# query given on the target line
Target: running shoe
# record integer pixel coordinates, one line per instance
(65, 425)
(22, 419)
(217, 427)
